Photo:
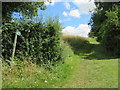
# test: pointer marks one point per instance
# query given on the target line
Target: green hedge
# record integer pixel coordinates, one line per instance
(40, 41)
(111, 32)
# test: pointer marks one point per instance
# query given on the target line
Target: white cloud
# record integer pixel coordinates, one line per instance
(67, 5)
(81, 30)
(65, 13)
(74, 13)
(85, 6)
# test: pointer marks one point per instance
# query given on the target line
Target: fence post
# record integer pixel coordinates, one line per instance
(14, 45)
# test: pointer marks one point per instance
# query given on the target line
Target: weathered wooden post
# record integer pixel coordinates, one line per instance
(14, 45)
(15, 42)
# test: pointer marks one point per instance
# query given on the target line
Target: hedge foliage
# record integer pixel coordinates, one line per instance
(111, 31)
(39, 41)
(105, 26)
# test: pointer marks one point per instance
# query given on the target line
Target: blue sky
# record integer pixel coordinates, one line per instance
(74, 15)
(57, 10)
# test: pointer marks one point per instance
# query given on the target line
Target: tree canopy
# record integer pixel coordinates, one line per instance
(27, 8)
(105, 23)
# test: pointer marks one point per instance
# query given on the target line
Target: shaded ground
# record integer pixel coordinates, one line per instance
(90, 49)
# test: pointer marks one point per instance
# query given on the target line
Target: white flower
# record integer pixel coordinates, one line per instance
(45, 81)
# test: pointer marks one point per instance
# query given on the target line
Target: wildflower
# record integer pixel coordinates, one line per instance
(45, 81)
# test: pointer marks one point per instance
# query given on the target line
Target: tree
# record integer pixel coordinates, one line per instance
(106, 26)
(27, 8)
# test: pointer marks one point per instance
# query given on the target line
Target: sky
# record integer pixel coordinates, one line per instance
(73, 15)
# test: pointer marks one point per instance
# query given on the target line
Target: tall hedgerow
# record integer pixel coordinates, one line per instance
(39, 41)
(105, 26)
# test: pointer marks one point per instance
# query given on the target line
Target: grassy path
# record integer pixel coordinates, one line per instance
(95, 74)
(94, 70)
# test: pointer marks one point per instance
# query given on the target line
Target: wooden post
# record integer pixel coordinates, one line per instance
(14, 45)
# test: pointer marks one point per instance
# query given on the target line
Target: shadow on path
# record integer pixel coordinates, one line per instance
(83, 47)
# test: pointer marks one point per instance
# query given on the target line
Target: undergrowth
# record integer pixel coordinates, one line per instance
(25, 74)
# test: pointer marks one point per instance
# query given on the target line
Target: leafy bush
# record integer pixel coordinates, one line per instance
(105, 26)
(40, 41)
(111, 32)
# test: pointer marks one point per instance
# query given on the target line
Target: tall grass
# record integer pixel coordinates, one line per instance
(78, 44)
